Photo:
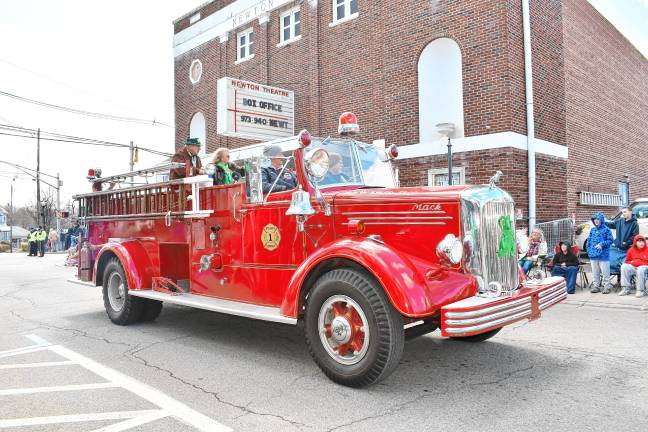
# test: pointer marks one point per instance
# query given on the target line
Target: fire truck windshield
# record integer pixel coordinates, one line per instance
(353, 163)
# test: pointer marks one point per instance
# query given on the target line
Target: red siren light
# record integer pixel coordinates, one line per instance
(305, 138)
(393, 151)
(91, 173)
(348, 124)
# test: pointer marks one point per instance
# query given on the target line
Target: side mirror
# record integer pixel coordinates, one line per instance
(317, 164)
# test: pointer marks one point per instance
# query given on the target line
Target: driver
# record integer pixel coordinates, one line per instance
(334, 174)
(269, 174)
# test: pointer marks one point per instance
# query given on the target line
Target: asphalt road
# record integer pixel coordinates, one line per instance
(579, 368)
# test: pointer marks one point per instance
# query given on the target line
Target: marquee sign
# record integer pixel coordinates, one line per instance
(254, 111)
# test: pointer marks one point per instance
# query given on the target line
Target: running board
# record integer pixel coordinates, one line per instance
(264, 313)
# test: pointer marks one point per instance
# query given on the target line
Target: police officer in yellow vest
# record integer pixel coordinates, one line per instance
(31, 241)
(41, 238)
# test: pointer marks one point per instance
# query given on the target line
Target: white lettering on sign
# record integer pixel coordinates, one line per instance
(254, 111)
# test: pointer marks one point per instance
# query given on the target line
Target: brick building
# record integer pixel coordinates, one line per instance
(405, 66)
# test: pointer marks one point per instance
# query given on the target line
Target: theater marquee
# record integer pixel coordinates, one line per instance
(254, 111)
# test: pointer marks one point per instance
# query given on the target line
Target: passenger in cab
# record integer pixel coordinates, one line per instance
(269, 174)
(187, 155)
(225, 172)
(334, 174)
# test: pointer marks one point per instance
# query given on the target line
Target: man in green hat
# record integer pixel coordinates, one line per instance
(187, 155)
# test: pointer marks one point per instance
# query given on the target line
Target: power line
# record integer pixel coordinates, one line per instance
(51, 136)
(85, 113)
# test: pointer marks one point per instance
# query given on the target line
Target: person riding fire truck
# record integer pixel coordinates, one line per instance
(362, 263)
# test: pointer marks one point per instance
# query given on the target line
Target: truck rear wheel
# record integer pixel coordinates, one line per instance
(122, 308)
(481, 337)
(352, 331)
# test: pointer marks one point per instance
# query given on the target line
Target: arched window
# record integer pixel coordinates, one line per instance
(197, 130)
(440, 88)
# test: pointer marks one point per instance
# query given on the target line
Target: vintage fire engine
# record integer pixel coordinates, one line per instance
(362, 263)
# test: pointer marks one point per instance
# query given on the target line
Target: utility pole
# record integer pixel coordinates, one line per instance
(132, 161)
(10, 218)
(58, 204)
(38, 201)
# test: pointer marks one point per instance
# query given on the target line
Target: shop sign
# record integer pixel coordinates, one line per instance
(254, 111)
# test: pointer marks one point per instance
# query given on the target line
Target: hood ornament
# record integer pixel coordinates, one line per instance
(496, 178)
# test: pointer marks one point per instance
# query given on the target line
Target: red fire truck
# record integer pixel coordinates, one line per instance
(362, 263)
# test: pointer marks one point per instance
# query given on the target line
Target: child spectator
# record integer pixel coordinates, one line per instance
(565, 264)
(636, 264)
(598, 249)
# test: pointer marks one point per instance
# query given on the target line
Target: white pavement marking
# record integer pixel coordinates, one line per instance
(174, 407)
(137, 421)
(74, 418)
(35, 365)
(52, 389)
(20, 351)
(37, 340)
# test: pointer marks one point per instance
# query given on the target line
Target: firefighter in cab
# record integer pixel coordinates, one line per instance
(286, 180)
(187, 155)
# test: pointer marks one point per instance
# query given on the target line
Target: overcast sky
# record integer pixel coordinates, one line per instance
(115, 57)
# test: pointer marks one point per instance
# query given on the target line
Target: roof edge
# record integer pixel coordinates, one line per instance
(193, 11)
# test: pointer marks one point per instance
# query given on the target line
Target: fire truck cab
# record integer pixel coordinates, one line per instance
(364, 264)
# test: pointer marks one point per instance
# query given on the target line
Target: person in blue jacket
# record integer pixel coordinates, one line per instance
(598, 249)
(626, 228)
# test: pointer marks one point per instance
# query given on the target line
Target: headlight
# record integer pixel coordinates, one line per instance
(450, 250)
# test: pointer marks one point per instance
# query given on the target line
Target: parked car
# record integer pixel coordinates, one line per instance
(639, 209)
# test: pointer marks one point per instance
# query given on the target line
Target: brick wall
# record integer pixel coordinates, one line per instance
(607, 108)
(589, 87)
(369, 66)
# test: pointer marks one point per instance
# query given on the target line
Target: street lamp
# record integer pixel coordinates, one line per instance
(447, 130)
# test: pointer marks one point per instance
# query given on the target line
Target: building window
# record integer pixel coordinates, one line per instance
(290, 26)
(440, 87)
(439, 176)
(197, 129)
(194, 18)
(195, 71)
(245, 45)
(344, 10)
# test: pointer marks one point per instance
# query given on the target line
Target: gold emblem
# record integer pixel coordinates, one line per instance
(270, 237)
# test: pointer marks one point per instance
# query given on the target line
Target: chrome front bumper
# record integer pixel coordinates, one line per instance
(476, 315)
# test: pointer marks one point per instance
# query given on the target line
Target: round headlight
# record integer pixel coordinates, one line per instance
(450, 250)
(210, 169)
(317, 164)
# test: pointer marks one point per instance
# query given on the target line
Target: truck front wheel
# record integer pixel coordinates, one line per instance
(353, 332)
(122, 308)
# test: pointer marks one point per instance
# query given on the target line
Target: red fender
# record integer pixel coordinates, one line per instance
(134, 259)
(403, 277)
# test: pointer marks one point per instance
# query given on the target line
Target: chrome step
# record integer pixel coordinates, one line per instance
(264, 313)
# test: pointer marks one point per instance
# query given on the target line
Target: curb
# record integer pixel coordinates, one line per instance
(641, 307)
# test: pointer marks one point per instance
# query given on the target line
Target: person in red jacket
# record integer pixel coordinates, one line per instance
(636, 264)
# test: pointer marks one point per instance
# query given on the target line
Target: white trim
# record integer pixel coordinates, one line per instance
(56, 389)
(289, 42)
(249, 46)
(243, 60)
(194, 18)
(482, 142)
(346, 19)
(292, 26)
(225, 20)
(196, 61)
(444, 171)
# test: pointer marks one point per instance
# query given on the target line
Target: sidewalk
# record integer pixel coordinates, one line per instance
(583, 297)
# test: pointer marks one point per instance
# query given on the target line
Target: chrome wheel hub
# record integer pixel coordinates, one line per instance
(344, 329)
(116, 292)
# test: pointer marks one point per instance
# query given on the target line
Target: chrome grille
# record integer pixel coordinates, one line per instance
(482, 206)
